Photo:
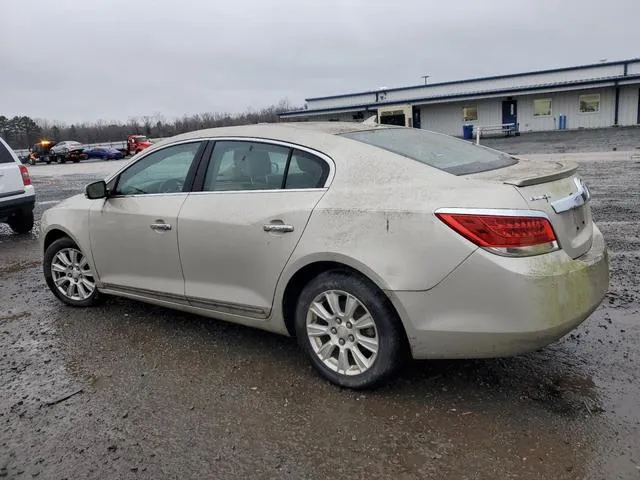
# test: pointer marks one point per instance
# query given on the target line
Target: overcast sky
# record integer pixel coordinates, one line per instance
(84, 60)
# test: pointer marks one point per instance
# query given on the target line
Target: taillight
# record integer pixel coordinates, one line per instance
(505, 232)
(26, 179)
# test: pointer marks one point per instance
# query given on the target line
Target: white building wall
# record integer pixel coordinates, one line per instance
(447, 117)
(628, 110)
(567, 103)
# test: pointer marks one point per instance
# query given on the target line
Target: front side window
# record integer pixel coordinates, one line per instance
(470, 114)
(542, 107)
(589, 103)
(163, 171)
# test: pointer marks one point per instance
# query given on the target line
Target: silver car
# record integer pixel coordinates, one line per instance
(370, 244)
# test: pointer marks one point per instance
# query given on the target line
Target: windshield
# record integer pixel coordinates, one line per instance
(434, 149)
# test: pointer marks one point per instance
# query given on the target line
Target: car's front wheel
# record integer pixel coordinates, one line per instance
(69, 275)
(349, 331)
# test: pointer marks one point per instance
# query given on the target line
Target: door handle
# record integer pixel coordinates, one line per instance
(160, 227)
(278, 227)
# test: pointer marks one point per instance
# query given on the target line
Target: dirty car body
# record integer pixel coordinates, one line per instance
(367, 243)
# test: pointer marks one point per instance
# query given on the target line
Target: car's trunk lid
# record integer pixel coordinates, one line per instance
(554, 188)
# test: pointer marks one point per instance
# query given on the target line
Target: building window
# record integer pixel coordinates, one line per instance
(542, 107)
(590, 103)
(469, 114)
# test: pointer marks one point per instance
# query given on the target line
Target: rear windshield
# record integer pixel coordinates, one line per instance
(5, 155)
(446, 153)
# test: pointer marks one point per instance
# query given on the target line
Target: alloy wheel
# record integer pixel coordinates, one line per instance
(72, 275)
(342, 332)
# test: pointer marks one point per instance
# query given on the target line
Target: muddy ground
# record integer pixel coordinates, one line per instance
(129, 390)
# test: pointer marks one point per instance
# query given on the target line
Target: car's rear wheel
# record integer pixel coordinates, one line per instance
(69, 275)
(349, 331)
(21, 222)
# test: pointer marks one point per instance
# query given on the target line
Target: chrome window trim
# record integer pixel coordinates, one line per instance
(145, 195)
(272, 190)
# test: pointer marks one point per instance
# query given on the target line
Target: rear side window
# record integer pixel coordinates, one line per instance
(5, 154)
(237, 165)
(436, 150)
(306, 171)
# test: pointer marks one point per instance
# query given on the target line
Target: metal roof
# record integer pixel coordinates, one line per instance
(477, 79)
(593, 82)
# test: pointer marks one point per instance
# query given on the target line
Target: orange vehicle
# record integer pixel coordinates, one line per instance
(137, 143)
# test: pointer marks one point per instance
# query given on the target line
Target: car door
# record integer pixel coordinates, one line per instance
(134, 232)
(238, 232)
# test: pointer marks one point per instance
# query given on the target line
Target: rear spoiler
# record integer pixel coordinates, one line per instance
(563, 172)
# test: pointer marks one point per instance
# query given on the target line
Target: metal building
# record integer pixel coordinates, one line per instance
(587, 96)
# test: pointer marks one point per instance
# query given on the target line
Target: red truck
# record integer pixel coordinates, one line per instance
(136, 143)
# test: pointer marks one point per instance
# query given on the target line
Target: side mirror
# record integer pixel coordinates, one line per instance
(96, 190)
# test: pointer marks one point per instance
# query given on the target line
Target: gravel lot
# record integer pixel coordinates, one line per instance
(129, 390)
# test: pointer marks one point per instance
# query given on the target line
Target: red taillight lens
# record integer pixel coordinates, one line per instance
(26, 179)
(501, 231)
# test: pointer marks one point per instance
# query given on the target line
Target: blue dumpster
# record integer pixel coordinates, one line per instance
(467, 132)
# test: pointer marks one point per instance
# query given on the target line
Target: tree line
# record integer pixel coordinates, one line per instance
(22, 131)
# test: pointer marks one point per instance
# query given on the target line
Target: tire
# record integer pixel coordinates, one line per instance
(341, 334)
(21, 222)
(80, 295)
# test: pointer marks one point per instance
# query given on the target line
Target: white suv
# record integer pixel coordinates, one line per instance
(17, 197)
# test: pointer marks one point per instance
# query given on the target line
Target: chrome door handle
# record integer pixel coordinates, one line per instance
(278, 227)
(160, 227)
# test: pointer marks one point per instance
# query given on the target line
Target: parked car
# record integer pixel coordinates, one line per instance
(370, 244)
(17, 197)
(106, 153)
(67, 150)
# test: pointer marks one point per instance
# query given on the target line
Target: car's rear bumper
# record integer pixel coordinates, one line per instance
(11, 205)
(493, 306)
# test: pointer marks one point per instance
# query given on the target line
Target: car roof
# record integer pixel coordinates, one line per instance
(312, 132)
